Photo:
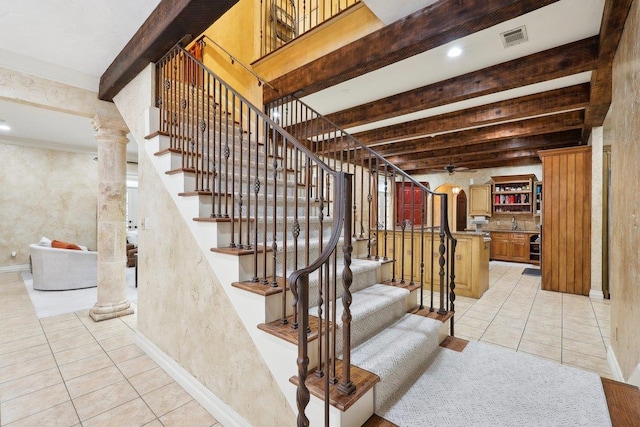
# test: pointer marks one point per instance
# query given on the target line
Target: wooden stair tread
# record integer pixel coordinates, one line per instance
(380, 260)
(455, 344)
(216, 219)
(433, 314)
(260, 288)
(239, 252)
(187, 170)
(156, 133)
(623, 401)
(203, 193)
(406, 285)
(167, 151)
(362, 379)
(378, 421)
(287, 333)
(195, 193)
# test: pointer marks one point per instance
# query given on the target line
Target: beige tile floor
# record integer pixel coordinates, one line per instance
(68, 370)
(515, 313)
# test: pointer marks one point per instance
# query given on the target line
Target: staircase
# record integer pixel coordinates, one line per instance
(305, 242)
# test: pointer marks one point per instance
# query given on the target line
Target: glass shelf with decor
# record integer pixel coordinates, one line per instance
(537, 198)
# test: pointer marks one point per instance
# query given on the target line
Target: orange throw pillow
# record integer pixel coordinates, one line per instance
(64, 245)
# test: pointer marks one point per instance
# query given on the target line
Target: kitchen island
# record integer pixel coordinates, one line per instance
(471, 261)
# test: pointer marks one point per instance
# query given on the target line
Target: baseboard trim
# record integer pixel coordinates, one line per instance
(596, 294)
(14, 268)
(634, 378)
(616, 372)
(216, 407)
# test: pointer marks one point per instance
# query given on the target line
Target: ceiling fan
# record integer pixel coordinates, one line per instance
(451, 169)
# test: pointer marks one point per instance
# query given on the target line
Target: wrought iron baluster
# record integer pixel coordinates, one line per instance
(346, 387)
(411, 223)
(274, 226)
(432, 254)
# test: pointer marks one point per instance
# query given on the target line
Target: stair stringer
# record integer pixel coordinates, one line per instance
(279, 356)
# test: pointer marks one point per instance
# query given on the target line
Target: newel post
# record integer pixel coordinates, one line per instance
(111, 134)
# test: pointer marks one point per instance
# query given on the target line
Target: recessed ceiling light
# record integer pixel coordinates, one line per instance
(454, 51)
(4, 126)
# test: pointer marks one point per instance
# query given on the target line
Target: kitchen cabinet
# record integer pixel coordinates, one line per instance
(500, 246)
(480, 200)
(512, 194)
(534, 249)
(510, 246)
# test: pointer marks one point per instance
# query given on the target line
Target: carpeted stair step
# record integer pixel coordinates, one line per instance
(364, 275)
(372, 309)
(398, 354)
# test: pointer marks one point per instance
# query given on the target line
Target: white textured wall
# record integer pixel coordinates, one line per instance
(45, 193)
(596, 141)
(625, 203)
(182, 306)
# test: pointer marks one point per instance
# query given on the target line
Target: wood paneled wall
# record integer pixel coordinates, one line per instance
(566, 220)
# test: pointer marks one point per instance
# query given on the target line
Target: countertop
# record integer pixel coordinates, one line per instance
(512, 231)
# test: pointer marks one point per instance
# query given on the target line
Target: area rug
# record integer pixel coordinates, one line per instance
(532, 272)
(486, 385)
(52, 303)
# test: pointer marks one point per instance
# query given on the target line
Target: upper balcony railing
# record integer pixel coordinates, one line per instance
(284, 20)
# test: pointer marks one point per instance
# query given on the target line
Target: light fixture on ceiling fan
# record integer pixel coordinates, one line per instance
(451, 169)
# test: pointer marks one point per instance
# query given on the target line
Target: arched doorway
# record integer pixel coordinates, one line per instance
(449, 189)
(461, 211)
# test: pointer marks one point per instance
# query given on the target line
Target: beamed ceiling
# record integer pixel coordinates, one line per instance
(567, 86)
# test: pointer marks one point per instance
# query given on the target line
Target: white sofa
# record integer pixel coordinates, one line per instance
(62, 269)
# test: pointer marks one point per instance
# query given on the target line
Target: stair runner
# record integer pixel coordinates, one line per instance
(386, 340)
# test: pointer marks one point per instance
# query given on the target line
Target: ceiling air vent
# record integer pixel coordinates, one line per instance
(514, 37)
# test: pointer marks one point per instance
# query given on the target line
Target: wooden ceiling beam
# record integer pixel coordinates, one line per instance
(169, 23)
(411, 166)
(521, 161)
(433, 26)
(468, 160)
(554, 63)
(552, 101)
(457, 155)
(611, 27)
(539, 125)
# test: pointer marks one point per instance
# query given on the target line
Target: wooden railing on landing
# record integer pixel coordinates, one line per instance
(285, 20)
(402, 223)
(260, 179)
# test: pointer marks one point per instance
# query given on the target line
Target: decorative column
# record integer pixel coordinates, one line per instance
(453, 226)
(111, 134)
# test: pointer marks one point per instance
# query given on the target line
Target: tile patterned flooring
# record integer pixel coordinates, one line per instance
(67, 370)
(515, 313)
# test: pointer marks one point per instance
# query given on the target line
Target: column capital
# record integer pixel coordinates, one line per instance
(109, 126)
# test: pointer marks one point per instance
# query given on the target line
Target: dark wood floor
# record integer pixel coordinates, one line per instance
(624, 403)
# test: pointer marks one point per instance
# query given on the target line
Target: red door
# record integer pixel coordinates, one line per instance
(409, 203)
